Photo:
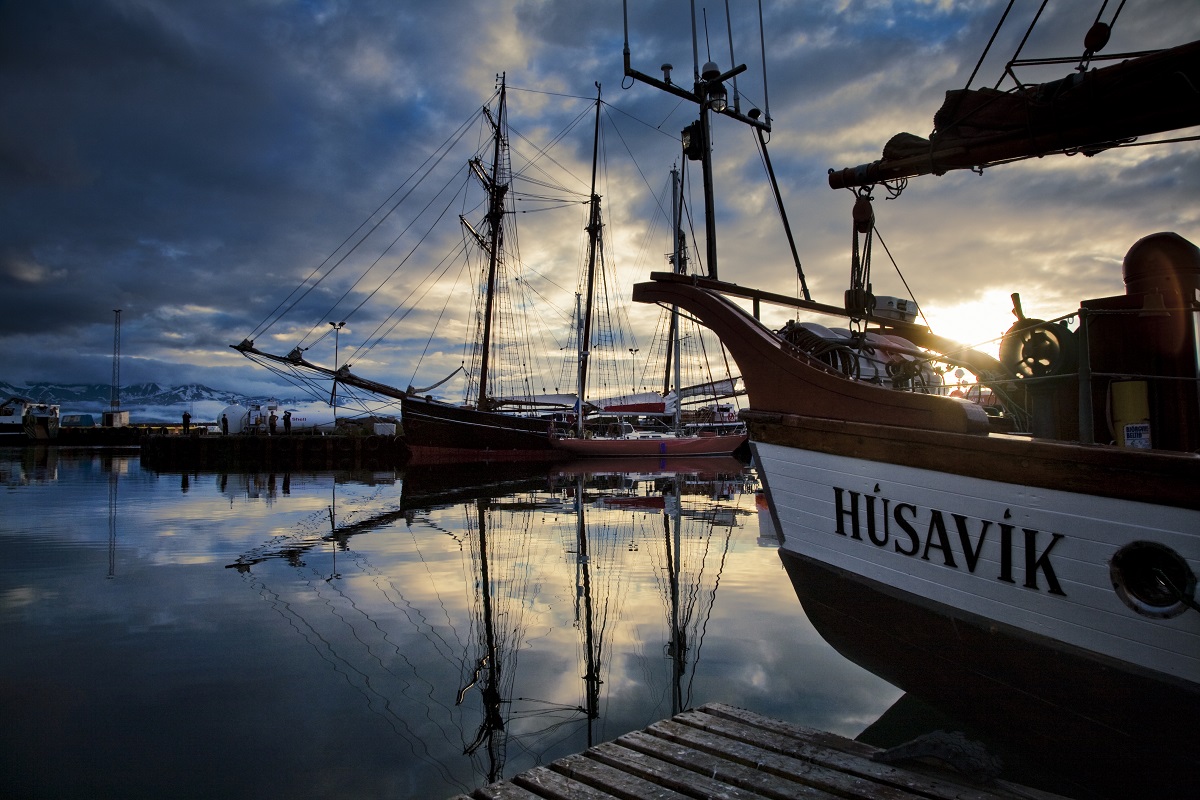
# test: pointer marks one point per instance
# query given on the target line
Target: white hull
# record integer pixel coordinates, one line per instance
(1060, 590)
(23, 421)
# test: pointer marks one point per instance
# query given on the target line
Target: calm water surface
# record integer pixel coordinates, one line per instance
(327, 635)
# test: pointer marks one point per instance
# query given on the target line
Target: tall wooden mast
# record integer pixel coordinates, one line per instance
(593, 229)
(495, 219)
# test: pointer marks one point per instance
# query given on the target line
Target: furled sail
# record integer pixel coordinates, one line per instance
(1084, 112)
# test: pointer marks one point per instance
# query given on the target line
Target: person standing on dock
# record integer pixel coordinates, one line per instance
(287, 422)
(187, 422)
(224, 425)
(271, 423)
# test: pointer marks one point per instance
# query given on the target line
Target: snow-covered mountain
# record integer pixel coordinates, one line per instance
(151, 403)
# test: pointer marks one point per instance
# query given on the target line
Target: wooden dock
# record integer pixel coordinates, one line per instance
(169, 453)
(726, 753)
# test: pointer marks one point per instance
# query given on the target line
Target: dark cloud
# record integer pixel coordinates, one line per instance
(190, 163)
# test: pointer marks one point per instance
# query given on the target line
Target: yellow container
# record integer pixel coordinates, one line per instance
(1131, 414)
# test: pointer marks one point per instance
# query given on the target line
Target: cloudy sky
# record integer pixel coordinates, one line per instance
(191, 162)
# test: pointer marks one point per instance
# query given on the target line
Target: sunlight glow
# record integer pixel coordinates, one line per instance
(978, 323)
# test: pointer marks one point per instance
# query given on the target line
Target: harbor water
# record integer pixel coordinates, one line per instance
(421, 633)
(340, 634)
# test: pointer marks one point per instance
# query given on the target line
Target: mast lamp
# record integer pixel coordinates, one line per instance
(714, 87)
(693, 141)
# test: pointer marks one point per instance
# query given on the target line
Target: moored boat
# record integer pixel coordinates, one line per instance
(1058, 719)
(715, 431)
(444, 432)
(510, 407)
(1055, 500)
(499, 417)
(633, 442)
(24, 421)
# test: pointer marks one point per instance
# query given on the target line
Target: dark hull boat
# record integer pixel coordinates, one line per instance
(1054, 503)
(437, 432)
(441, 432)
(497, 420)
(1069, 723)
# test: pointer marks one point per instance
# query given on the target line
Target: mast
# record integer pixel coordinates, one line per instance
(591, 676)
(677, 647)
(593, 229)
(677, 224)
(495, 219)
(493, 720)
(709, 93)
(710, 202)
(678, 268)
(580, 348)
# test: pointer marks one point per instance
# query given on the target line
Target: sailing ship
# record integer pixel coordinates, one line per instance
(621, 439)
(442, 432)
(501, 417)
(1055, 502)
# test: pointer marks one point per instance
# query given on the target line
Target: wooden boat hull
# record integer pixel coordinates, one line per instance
(909, 491)
(664, 447)
(1087, 111)
(1019, 554)
(1104, 730)
(779, 378)
(441, 433)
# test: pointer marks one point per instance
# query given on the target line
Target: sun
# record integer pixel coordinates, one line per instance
(977, 323)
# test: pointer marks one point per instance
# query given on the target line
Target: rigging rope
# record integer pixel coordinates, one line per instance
(988, 46)
(523, 353)
(362, 349)
(365, 347)
(1021, 46)
(443, 149)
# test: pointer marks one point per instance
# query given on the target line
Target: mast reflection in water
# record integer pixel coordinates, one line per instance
(353, 635)
(335, 635)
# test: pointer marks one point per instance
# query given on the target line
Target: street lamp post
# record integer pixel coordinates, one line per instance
(337, 329)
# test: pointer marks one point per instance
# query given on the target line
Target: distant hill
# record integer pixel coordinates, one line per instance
(99, 394)
(145, 402)
(138, 394)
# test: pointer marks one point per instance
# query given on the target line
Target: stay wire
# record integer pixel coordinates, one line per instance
(1024, 39)
(991, 41)
(900, 274)
(382, 284)
(446, 146)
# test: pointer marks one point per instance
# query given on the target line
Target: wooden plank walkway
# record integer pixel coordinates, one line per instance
(726, 753)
